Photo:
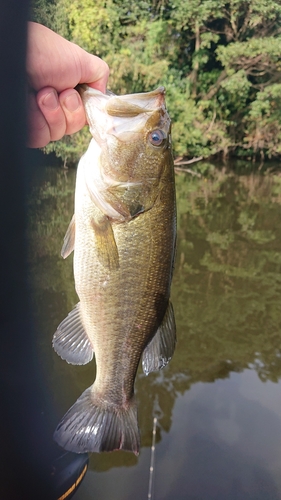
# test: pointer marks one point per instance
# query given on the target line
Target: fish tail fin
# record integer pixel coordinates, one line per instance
(91, 425)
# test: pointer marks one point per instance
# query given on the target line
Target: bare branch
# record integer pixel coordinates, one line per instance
(178, 161)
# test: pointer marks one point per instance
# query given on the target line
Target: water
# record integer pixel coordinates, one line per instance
(218, 403)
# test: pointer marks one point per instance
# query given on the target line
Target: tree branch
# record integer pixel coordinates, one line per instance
(214, 89)
(178, 161)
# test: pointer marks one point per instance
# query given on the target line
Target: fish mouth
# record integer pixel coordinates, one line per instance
(122, 116)
(137, 103)
(128, 105)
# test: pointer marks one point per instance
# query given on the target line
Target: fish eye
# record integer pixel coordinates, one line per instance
(156, 137)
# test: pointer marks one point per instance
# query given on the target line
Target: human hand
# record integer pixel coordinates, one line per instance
(54, 67)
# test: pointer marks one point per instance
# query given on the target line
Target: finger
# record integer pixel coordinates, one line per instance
(38, 130)
(71, 104)
(48, 102)
(94, 71)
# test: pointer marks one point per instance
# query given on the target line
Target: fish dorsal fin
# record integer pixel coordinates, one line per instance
(71, 341)
(107, 251)
(69, 239)
(160, 349)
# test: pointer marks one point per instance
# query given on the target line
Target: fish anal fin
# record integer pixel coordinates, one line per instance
(91, 425)
(71, 341)
(69, 239)
(107, 251)
(160, 349)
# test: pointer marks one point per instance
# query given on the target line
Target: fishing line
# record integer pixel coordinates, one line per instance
(152, 461)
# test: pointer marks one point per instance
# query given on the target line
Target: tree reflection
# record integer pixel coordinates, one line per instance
(226, 289)
(227, 282)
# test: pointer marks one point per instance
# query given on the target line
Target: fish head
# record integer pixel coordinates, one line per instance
(132, 139)
(132, 131)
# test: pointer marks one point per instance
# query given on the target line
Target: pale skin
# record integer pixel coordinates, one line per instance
(54, 67)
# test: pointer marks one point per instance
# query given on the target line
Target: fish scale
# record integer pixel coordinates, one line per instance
(123, 235)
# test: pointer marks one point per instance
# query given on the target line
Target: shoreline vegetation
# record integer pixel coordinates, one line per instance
(219, 62)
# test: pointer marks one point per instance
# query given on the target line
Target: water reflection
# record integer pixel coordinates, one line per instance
(227, 287)
(215, 441)
(225, 445)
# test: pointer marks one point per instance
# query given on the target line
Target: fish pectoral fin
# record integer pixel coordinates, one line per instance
(71, 341)
(107, 250)
(69, 239)
(160, 349)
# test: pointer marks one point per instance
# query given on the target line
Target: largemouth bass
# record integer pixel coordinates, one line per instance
(123, 234)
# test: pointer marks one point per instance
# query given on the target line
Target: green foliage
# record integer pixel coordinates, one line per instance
(264, 121)
(69, 148)
(219, 61)
(43, 11)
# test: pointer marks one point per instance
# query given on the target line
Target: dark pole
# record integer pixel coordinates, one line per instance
(25, 448)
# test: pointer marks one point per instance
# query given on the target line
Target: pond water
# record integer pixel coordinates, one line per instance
(218, 402)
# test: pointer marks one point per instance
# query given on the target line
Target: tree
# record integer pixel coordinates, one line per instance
(218, 60)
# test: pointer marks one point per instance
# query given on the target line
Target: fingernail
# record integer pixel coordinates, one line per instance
(72, 102)
(51, 101)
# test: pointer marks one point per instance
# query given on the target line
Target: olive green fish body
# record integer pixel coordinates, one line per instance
(125, 227)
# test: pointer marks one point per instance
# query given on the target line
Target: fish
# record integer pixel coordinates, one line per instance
(123, 233)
